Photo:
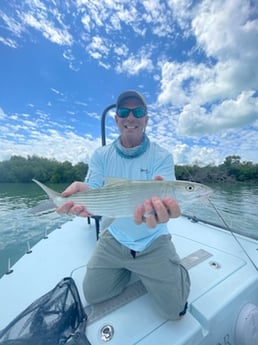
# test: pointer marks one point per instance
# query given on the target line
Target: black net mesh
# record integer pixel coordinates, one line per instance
(55, 318)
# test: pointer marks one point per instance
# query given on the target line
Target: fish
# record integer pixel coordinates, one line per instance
(118, 198)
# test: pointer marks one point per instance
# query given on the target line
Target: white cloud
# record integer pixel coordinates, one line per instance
(26, 136)
(231, 113)
(86, 22)
(121, 49)
(200, 155)
(74, 64)
(48, 29)
(98, 47)
(216, 94)
(182, 12)
(34, 13)
(190, 82)
(2, 114)
(12, 24)
(237, 112)
(133, 65)
(56, 91)
(159, 16)
(54, 145)
(177, 80)
(8, 42)
(223, 28)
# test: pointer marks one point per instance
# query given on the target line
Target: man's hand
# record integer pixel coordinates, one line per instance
(156, 210)
(69, 207)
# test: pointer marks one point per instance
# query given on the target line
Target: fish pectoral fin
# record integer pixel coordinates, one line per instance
(106, 222)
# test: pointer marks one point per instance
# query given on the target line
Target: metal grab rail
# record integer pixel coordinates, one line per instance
(103, 142)
(103, 123)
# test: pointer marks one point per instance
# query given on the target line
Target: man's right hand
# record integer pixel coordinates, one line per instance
(69, 207)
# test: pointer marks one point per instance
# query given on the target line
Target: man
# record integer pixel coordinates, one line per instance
(141, 244)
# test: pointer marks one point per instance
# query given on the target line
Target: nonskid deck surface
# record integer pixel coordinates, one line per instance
(223, 281)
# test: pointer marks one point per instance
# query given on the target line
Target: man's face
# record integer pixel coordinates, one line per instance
(131, 128)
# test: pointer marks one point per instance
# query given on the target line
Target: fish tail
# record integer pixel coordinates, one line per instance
(50, 192)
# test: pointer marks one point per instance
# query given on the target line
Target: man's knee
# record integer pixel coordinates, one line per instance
(99, 287)
(173, 311)
(90, 292)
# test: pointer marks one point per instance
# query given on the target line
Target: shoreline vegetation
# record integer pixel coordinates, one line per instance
(23, 170)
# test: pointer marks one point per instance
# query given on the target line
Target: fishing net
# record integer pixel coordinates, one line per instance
(56, 318)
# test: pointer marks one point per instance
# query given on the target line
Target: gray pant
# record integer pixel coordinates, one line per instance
(158, 267)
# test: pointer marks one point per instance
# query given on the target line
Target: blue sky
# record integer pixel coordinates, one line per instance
(63, 62)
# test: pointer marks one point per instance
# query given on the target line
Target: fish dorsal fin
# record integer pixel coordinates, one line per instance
(109, 181)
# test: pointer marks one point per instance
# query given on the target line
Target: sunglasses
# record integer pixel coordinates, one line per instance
(137, 112)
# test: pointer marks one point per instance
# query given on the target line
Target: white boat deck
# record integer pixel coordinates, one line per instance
(223, 282)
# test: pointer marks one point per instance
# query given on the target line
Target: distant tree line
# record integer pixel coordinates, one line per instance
(20, 169)
(231, 170)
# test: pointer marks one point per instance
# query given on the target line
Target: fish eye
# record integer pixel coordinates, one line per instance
(189, 188)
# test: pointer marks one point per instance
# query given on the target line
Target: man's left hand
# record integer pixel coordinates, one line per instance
(156, 210)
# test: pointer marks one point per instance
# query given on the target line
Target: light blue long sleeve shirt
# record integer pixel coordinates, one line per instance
(106, 162)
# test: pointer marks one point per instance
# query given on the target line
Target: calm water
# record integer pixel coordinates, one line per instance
(236, 203)
(17, 226)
